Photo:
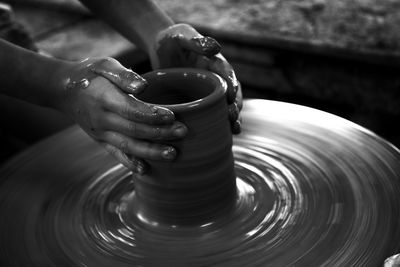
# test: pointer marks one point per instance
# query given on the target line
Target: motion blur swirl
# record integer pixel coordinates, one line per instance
(312, 190)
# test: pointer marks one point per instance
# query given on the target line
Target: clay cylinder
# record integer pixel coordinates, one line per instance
(200, 183)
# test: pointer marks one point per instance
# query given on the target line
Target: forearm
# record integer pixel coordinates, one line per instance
(137, 20)
(29, 76)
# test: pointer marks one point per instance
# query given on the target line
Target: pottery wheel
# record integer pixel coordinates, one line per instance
(313, 189)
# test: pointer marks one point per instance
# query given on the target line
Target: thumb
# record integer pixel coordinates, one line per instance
(189, 38)
(125, 79)
(202, 45)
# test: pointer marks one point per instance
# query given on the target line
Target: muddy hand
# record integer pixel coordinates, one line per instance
(393, 261)
(99, 96)
(220, 65)
(182, 46)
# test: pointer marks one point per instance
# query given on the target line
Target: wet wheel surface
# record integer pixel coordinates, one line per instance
(313, 189)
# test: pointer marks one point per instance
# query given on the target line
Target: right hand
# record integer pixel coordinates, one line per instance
(180, 45)
(99, 96)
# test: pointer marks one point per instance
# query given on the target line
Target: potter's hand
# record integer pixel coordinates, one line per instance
(181, 45)
(98, 96)
(393, 261)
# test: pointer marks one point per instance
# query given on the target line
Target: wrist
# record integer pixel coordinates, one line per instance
(139, 21)
(57, 82)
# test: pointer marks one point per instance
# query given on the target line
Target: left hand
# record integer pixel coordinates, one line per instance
(99, 94)
(181, 45)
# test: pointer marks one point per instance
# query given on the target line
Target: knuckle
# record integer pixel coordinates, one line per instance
(150, 149)
(122, 158)
(98, 63)
(126, 111)
(123, 146)
(132, 129)
(129, 75)
(111, 149)
(105, 66)
(138, 115)
(106, 61)
(156, 133)
(107, 136)
(146, 151)
(130, 111)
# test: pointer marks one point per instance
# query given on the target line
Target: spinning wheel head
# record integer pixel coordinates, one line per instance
(311, 189)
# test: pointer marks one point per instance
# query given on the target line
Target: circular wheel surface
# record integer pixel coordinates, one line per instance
(313, 189)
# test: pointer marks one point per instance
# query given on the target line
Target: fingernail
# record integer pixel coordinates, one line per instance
(180, 130)
(165, 114)
(169, 153)
(209, 45)
(137, 86)
(139, 168)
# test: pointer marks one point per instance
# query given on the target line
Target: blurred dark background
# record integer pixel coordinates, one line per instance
(338, 56)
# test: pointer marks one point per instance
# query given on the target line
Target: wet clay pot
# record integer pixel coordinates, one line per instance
(200, 183)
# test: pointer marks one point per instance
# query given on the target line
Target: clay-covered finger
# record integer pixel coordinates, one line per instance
(134, 164)
(239, 97)
(233, 111)
(234, 115)
(190, 39)
(236, 126)
(139, 148)
(220, 65)
(125, 79)
(235, 119)
(116, 123)
(202, 45)
(133, 109)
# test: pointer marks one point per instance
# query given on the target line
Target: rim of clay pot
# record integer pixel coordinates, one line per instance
(219, 85)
